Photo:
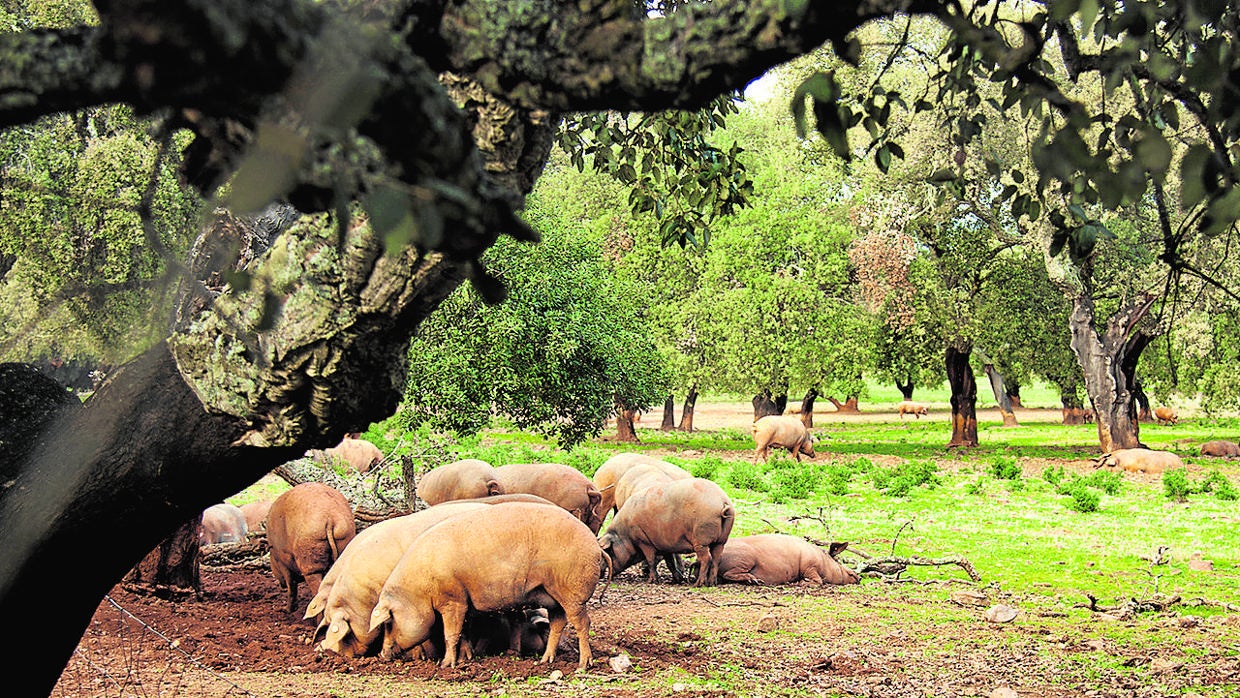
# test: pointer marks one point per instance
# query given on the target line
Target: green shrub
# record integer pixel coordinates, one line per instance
(1176, 484)
(746, 475)
(861, 465)
(1222, 488)
(1054, 475)
(1084, 498)
(837, 477)
(706, 467)
(1108, 481)
(794, 483)
(1005, 468)
(900, 481)
(977, 487)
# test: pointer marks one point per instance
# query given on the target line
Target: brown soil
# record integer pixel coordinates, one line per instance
(872, 639)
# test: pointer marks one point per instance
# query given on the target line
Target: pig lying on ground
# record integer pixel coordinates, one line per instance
(1221, 449)
(914, 408)
(781, 431)
(681, 516)
(1166, 415)
(558, 483)
(256, 514)
(775, 558)
(609, 473)
(351, 587)
(307, 528)
(1140, 460)
(465, 479)
(504, 557)
(222, 523)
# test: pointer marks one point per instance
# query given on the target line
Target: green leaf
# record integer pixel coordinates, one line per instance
(1154, 152)
(1193, 176)
(882, 158)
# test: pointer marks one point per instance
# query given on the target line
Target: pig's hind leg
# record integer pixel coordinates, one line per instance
(453, 614)
(555, 613)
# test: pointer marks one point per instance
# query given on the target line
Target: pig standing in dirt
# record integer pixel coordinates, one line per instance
(681, 516)
(1166, 416)
(465, 479)
(256, 514)
(776, 558)
(1221, 449)
(1140, 460)
(350, 589)
(781, 431)
(914, 408)
(504, 557)
(609, 473)
(307, 528)
(641, 477)
(222, 523)
(558, 483)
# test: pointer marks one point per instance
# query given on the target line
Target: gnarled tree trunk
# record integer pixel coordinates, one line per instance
(669, 417)
(807, 407)
(1013, 392)
(906, 389)
(764, 405)
(848, 405)
(1144, 414)
(686, 410)
(997, 386)
(171, 569)
(625, 431)
(964, 397)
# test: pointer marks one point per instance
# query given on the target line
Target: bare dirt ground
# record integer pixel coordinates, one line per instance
(874, 639)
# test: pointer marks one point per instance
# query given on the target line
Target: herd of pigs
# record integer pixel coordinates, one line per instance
(503, 558)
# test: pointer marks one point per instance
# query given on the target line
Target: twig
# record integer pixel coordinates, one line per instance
(907, 524)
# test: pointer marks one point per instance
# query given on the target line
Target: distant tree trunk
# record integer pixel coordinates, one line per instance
(1013, 392)
(764, 405)
(1073, 410)
(1143, 402)
(669, 417)
(1108, 362)
(807, 407)
(625, 430)
(964, 397)
(906, 389)
(1000, 390)
(171, 569)
(686, 410)
(848, 405)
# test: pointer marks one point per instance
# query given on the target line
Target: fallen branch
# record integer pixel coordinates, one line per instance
(892, 567)
(1154, 604)
(222, 554)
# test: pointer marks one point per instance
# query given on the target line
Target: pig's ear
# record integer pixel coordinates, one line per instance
(323, 627)
(837, 548)
(381, 615)
(494, 488)
(317, 604)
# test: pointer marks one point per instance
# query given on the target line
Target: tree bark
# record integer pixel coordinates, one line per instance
(686, 411)
(848, 405)
(625, 431)
(1001, 396)
(1013, 392)
(1108, 361)
(1144, 414)
(964, 397)
(171, 570)
(1073, 411)
(807, 408)
(669, 416)
(906, 389)
(764, 405)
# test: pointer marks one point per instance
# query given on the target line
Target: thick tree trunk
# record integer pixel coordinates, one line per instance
(807, 407)
(625, 431)
(669, 416)
(848, 405)
(1013, 392)
(1103, 360)
(686, 410)
(1001, 396)
(964, 397)
(906, 389)
(764, 405)
(1073, 411)
(171, 569)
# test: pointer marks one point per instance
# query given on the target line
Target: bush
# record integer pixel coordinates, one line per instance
(706, 467)
(794, 483)
(1005, 468)
(901, 480)
(1054, 475)
(1223, 489)
(837, 478)
(746, 475)
(1084, 499)
(1176, 484)
(1106, 480)
(977, 487)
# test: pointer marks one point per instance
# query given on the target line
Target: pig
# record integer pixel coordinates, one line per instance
(1221, 449)
(641, 477)
(558, 483)
(1140, 460)
(359, 454)
(222, 523)
(307, 528)
(508, 556)
(521, 631)
(1166, 415)
(350, 589)
(914, 408)
(464, 479)
(783, 432)
(680, 516)
(256, 514)
(609, 473)
(776, 558)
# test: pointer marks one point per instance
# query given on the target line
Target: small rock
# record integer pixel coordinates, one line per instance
(1095, 645)
(680, 687)
(767, 623)
(555, 675)
(1159, 664)
(1000, 613)
(620, 663)
(1003, 692)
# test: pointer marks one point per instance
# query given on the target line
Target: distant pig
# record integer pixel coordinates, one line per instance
(608, 475)
(681, 516)
(1140, 460)
(222, 523)
(776, 558)
(558, 483)
(506, 556)
(356, 452)
(914, 408)
(256, 514)
(307, 528)
(1166, 415)
(464, 479)
(1221, 449)
(781, 431)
